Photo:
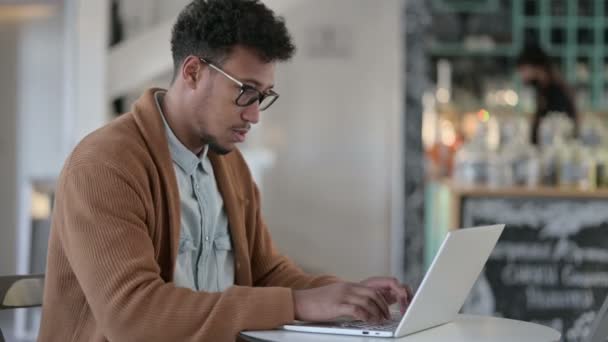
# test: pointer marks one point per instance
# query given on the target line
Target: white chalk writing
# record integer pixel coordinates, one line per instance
(554, 220)
(531, 251)
(517, 274)
(543, 299)
(572, 277)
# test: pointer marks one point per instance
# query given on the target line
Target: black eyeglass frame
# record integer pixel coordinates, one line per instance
(260, 97)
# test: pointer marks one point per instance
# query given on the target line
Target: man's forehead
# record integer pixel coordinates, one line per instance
(250, 68)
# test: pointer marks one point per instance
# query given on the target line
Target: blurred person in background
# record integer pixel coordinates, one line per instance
(552, 93)
(157, 231)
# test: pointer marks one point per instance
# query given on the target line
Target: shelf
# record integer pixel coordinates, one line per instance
(543, 191)
(459, 50)
(561, 21)
(471, 6)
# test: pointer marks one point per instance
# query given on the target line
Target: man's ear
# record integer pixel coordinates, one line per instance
(190, 71)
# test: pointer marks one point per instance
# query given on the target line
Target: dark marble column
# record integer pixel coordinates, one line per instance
(416, 28)
(117, 34)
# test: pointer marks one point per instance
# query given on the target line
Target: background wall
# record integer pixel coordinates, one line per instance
(40, 97)
(330, 198)
(8, 145)
(31, 65)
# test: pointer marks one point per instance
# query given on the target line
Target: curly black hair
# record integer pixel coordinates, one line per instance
(211, 28)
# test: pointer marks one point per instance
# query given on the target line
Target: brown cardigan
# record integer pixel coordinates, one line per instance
(115, 235)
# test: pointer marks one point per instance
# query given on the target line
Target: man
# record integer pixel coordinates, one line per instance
(157, 233)
(552, 94)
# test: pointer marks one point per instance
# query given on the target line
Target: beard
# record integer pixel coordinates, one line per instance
(214, 146)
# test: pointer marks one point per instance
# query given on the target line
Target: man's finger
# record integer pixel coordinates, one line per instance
(374, 312)
(410, 293)
(399, 291)
(376, 296)
(354, 311)
(365, 298)
(388, 296)
(385, 303)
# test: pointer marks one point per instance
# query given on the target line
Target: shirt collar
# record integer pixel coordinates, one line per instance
(180, 154)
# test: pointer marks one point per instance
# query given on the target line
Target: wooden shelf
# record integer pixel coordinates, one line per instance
(544, 191)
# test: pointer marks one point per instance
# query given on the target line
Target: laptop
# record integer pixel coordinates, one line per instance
(442, 293)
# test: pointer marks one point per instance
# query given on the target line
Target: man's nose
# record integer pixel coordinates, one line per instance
(251, 114)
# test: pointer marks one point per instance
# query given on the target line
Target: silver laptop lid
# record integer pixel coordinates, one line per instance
(450, 277)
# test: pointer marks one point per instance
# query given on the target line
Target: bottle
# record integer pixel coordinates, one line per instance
(471, 161)
(567, 169)
(601, 167)
(533, 175)
(587, 172)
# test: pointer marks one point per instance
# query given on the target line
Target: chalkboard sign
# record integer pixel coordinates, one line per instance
(550, 265)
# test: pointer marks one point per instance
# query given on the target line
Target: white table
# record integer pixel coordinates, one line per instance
(465, 328)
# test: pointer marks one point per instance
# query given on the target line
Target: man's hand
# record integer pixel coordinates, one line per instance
(328, 303)
(391, 290)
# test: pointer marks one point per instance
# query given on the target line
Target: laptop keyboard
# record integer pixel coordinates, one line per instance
(388, 325)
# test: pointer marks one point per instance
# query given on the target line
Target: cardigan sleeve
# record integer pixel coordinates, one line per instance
(105, 237)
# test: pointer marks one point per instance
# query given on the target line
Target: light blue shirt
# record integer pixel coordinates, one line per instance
(205, 261)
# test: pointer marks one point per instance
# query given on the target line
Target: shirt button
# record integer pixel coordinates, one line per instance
(238, 265)
(207, 238)
(197, 187)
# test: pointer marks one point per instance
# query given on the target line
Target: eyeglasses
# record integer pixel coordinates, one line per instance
(248, 94)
